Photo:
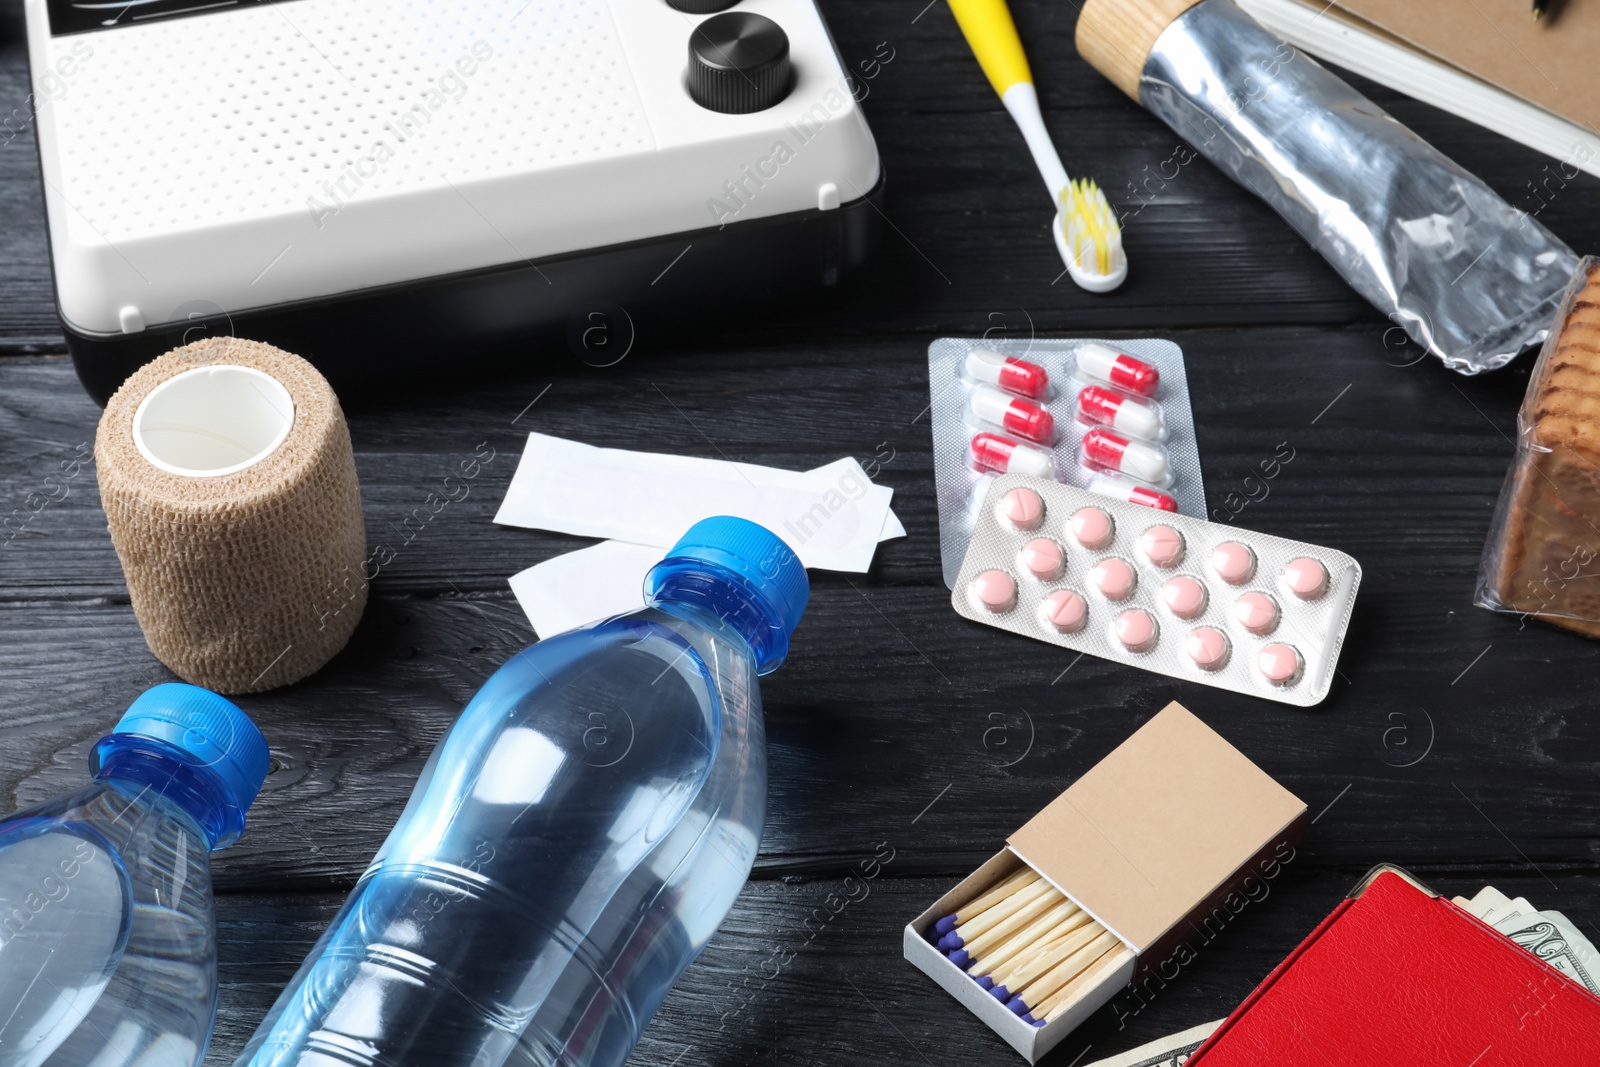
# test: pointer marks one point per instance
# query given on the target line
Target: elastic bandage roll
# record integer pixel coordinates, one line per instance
(230, 491)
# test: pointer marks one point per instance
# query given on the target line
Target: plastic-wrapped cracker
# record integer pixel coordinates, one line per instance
(1542, 557)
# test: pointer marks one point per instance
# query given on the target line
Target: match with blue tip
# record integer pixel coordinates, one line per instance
(1019, 879)
(1027, 945)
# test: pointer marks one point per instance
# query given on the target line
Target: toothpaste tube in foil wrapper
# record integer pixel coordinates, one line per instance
(1467, 276)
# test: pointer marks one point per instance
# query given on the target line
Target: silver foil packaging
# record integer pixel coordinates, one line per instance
(1467, 276)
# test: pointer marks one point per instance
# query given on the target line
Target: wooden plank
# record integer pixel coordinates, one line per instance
(811, 971)
(971, 727)
(1410, 446)
(27, 314)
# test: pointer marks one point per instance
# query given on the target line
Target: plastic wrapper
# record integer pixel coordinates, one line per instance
(1542, 557)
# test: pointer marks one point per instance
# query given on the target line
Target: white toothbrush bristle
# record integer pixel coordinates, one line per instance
(1093, 233)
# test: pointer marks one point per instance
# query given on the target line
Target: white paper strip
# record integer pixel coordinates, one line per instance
(832, 517)
(891, 528)
(578, 587)
(607, 579)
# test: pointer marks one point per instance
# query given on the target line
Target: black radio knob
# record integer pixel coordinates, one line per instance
(738, 63)
(700, 7)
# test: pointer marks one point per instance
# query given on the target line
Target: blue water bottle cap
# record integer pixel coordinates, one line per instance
(210, 728)
(761, 565)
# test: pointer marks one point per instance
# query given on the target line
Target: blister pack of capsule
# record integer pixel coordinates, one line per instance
(1112, 417)
(1180, 596)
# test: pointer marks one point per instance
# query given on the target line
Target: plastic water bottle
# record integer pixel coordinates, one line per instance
(108, 952)
(574, 839)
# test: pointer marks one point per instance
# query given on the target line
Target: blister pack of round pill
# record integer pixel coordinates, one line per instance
(1110, 416)
(1173, 594)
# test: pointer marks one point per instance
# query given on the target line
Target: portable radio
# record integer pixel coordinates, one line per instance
(392, 187)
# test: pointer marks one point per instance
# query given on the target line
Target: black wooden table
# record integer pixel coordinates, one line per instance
(1457, 743)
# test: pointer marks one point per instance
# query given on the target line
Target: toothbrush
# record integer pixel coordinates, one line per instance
(1086, 230)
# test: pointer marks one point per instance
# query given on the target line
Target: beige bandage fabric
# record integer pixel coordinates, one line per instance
(245, 581)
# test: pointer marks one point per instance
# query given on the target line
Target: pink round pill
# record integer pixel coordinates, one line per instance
(1306, 578)
(1092, 527)
(1207, 647)
(1256, 612)
(1064, 611)
(1114, 578)
(995, 590)
(1162, 545)
(1022, 508)
(1185, 597)
(1136, 630)
(1043, 559)
(1279, 663)
(1233, 562)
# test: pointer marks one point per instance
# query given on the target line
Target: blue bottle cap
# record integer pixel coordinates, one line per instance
(210, 728)
(761, 565)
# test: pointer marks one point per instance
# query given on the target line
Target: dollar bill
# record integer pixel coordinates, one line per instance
(1549, 935)
(1551, 938)
(1171, 1051)
(1486, 902)
(1518, 906)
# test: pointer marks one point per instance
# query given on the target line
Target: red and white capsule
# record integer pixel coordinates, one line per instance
(1016, 375)
(1104, 450)
(1120, 488)
(991, 452)
(1013, 414)
(1099, 406)
(1117, 368)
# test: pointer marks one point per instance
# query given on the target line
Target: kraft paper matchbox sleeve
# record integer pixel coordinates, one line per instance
(1150, 842)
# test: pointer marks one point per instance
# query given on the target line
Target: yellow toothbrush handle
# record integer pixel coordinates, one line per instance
(988, 28)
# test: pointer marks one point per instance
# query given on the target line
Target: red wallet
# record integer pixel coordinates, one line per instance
(1399, 977)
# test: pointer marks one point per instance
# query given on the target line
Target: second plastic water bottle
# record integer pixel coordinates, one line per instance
(108, 953)
(574, 840)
